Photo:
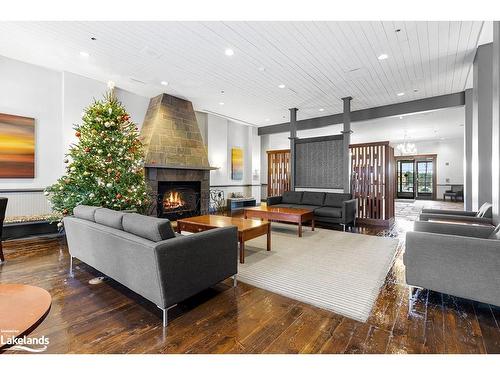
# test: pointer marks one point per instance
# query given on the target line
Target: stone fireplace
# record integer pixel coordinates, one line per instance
(176, 158)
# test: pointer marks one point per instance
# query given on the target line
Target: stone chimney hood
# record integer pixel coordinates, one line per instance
(171, 135)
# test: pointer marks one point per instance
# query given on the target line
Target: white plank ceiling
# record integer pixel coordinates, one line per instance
(318, 62)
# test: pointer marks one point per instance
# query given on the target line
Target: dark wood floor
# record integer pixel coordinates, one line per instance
(108, 318)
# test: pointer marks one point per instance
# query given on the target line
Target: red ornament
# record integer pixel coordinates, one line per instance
(126, 117)
(118, 196)
(78, 134)
(87, 149)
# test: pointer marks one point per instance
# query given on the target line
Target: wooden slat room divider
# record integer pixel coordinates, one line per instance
(278, 172)
(373, 181)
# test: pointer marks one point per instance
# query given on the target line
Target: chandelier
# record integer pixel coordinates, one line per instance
(406, 148)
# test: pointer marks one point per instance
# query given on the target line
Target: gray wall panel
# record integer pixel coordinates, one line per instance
(319, 163)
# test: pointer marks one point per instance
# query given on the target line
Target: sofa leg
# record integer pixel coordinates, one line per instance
(410, 299)
(235, 280)
(71, 274)
(165, 314)
(343, 227)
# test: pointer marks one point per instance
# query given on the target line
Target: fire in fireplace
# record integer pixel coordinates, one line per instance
(173, 201)
(178, 199)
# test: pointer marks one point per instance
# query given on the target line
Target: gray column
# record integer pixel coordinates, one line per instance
(482, 123)
(346, 116)
(468, 150)
(293, 136)
(495, 131)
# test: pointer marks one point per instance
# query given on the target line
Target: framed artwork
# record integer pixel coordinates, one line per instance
(236, 164)
(17, 146)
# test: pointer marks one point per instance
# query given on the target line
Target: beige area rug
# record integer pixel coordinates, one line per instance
(337, 271)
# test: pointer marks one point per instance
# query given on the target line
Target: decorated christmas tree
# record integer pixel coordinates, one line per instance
(105, 167)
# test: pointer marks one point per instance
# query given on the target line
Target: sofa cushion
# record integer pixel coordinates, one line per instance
(313, 198)
(293, 197)
(336, 199)
(151, 228)
(85, 212)
(328, 212)
(485, 211)
(495, 235)
(108, 217)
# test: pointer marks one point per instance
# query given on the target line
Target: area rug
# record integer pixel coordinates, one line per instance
(337, 271)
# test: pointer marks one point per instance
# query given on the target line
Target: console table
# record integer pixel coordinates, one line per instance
(237, 204)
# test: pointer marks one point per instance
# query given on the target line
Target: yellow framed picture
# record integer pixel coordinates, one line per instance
(236, 163)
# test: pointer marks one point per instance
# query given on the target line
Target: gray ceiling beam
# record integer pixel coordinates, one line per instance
(398, 109)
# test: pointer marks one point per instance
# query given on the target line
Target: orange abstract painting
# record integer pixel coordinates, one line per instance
(17, 146)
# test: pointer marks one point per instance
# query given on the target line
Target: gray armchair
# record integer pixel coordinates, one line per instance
(457, 259)
(483, 216)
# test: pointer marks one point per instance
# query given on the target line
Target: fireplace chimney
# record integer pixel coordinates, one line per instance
(171, 135)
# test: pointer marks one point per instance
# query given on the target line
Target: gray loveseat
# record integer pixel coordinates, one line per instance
(338, 208)
(457, 259)
(144, 254)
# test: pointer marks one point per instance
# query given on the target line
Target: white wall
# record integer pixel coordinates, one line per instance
(222, 136)
(32, 91)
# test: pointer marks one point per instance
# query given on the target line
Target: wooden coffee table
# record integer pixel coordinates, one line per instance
(21, 308)
(247, 228)
(288, 215)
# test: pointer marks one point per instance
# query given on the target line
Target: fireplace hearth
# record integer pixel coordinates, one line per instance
(178, 199)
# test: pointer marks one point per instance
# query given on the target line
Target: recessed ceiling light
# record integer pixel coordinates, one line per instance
(164, 83)
(383, 56)
(321, 109)
(266, 120)
(221, 103)
(84, 54)
(229, 52)
(281, 86)
(400, 117)
(400, 93)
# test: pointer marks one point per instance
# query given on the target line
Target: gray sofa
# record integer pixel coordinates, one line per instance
(457, 259)
(338, 208)
(483, 216)
(144, 254)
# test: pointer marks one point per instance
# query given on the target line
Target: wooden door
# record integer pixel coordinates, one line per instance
(278, 172)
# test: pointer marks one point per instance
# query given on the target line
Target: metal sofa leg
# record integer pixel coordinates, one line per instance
(343, 227)
(71, 266)
(410, 299)
(165, 314)
(235, 280)
(165, 317)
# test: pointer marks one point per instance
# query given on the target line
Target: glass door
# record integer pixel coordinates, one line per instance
(425, 179)
(405, 179)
